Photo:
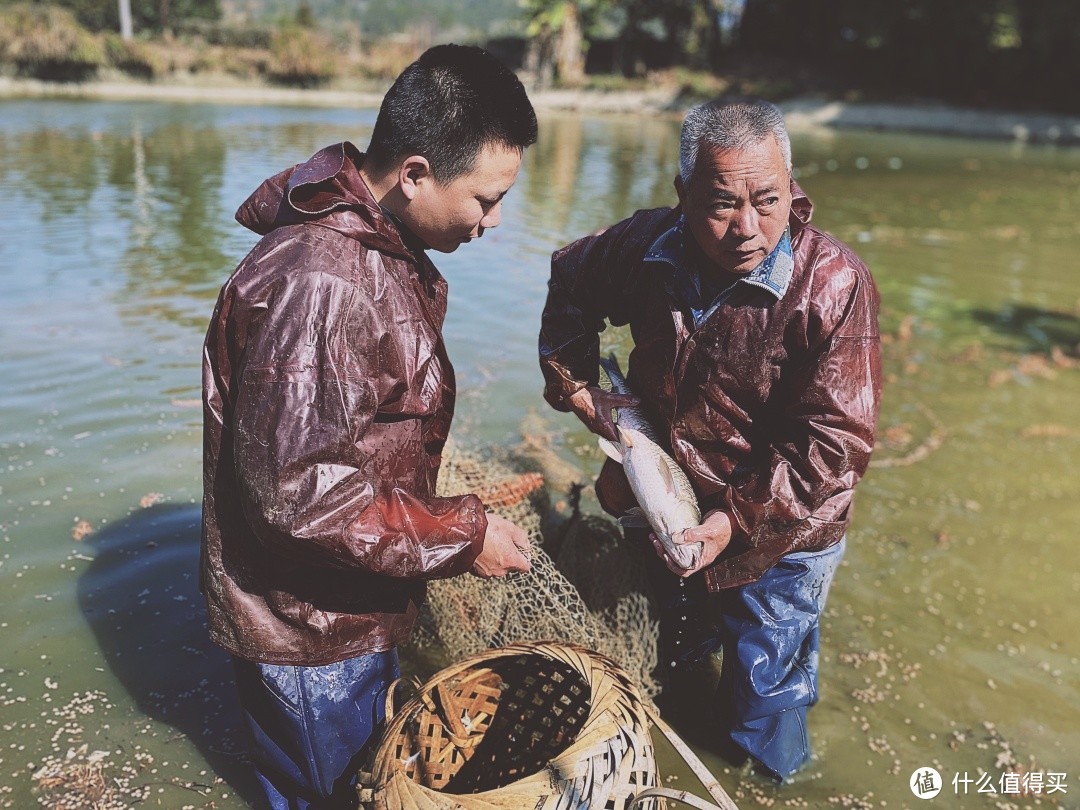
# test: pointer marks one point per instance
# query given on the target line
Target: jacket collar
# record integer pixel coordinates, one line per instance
(775, 271)
(326, 189)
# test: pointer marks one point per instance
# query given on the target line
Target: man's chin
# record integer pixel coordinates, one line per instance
(450, 247)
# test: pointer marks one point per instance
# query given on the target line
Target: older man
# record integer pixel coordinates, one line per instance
(756, 353)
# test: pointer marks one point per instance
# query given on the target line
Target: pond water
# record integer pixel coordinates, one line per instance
(950, 639)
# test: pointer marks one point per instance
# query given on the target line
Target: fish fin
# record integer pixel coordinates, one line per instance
(668, 479)
(634, 519)
(611, 450)
(625, 437)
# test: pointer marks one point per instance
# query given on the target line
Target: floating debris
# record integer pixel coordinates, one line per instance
(80, 780)
(897, 437)
(1049, 431)
(928, 446)
(866, 802)
(904, 331)
(81, 530)
(512, 491)
(1031, 366)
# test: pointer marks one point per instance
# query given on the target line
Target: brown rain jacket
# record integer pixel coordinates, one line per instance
(327, 400)
(769, 405)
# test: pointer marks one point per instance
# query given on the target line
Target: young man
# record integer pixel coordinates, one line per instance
(756, 353)
(328, 398)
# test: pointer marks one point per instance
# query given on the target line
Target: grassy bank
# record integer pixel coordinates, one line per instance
(47, 43)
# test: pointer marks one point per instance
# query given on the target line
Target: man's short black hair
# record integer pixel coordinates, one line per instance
(447, 106)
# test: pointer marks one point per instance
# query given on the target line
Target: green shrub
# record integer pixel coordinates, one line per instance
(46, 42)
(302, 57)
(384, 59)
(134, 57)
(246, 63)
(229, 35)
(698, 85)
(614, 82)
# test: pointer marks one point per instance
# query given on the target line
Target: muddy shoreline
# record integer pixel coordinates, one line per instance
(802, 113)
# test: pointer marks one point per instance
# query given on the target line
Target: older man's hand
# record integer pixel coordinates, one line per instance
(593, 406)
(713, 534)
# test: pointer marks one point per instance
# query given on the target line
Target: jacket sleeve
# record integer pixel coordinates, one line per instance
(801, 489)
(305, 414)
(591, 282)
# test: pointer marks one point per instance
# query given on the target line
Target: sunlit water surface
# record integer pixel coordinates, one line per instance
(951, 636)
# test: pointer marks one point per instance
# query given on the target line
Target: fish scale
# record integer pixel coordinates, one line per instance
(665, 497)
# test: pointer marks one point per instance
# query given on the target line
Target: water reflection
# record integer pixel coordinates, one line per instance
(177, 222)
(582, 174)
(552, 171)
(154, 194)
(58, 169)
(141, 599)
(1037, 328)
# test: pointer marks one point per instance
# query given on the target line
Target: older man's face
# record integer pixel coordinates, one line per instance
(737, 203)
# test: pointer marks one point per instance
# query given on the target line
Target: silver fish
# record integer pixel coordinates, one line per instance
(666, 500)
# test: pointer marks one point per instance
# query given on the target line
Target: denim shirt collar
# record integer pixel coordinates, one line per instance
(773, 274)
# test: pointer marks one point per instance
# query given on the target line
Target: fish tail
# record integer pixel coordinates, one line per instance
(610, 365)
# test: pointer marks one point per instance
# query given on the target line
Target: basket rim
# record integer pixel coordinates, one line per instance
(584, 660)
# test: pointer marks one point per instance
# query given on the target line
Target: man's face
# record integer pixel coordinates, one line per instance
(446, 216)
(737, 203)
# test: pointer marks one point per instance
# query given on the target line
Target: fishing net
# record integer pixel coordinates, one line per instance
(584, 586)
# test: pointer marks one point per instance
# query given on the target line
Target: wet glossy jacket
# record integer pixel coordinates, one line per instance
(771, 403)
(327, 400)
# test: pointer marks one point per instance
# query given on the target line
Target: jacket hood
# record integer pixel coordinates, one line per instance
(326, 190)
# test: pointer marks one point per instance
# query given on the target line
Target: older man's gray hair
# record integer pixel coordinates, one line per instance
(730, 125)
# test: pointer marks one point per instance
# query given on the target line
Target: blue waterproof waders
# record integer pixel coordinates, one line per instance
(769, 676)
(768, 631)
(311, 726)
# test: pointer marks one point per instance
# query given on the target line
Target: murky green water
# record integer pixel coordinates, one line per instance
(957, 603)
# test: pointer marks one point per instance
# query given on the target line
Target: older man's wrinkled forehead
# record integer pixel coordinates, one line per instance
(756, 169)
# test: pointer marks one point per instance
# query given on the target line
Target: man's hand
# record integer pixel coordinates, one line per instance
(593, 405)
(506, 549)
(714, 534)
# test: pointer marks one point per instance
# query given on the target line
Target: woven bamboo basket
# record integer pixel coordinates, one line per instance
(534, 725)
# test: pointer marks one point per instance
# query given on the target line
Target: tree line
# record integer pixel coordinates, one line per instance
(996, 52)
(981, 52)
(153, 16)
